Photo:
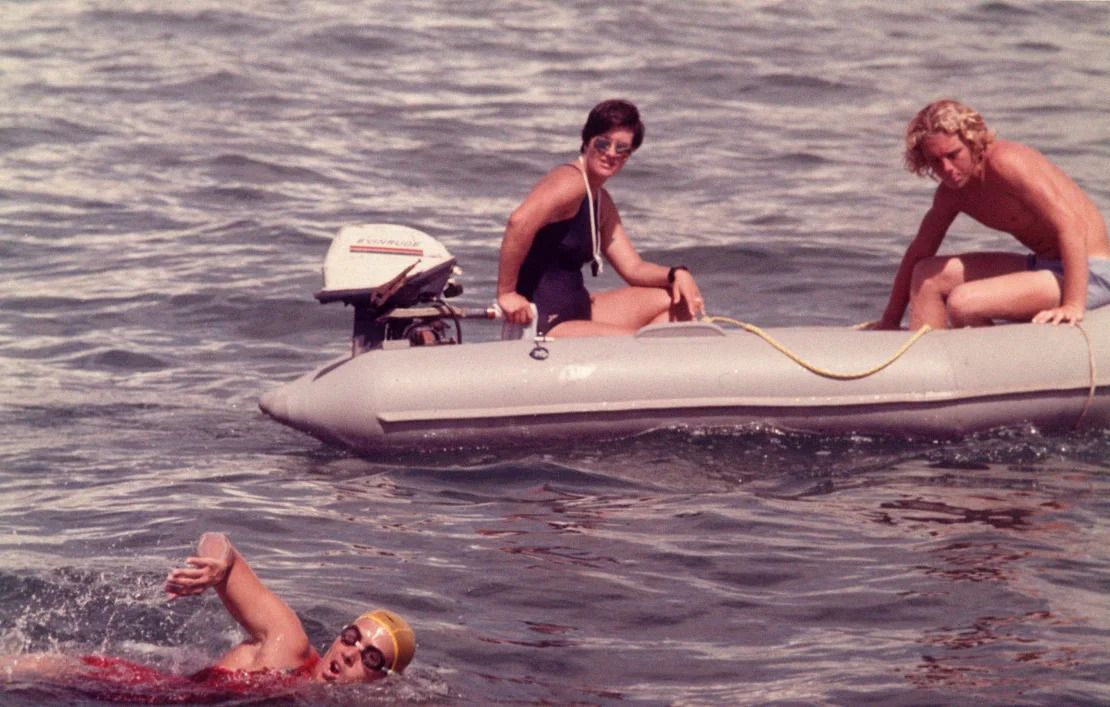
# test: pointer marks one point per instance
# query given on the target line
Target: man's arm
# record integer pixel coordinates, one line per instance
(276, 636)
(1049, 194)
(1073, 301)
(930, 234)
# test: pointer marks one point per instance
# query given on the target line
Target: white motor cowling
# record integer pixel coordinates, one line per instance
(385, 266)
(397, 279)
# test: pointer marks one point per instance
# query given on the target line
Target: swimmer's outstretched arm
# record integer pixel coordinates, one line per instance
(276, 636)
(33, 666)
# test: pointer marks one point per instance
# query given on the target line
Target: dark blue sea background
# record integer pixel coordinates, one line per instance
(171, 175)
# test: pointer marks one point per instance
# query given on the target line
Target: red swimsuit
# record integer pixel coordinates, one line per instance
(118, 680)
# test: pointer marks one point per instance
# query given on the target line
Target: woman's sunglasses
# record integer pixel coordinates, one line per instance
(602, 145)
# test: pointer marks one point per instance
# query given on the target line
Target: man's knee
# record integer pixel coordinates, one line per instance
(936, 274)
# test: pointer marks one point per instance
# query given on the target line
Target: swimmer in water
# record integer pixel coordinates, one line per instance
(276, 652)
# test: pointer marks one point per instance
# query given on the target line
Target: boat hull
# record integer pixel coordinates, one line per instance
(948, 383)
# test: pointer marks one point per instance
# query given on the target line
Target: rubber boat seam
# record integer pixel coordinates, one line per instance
(715, 402)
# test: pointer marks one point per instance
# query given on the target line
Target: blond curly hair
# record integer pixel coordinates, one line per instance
(945, 116)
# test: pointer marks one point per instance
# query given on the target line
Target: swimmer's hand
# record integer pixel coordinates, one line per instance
(202, 573)
(1064, 314)
(208, 569)
(516, 308)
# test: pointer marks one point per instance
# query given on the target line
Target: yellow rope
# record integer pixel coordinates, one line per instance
(1093, 388)
(753, 329)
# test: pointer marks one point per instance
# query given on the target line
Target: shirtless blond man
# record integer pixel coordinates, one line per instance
(1012, 188)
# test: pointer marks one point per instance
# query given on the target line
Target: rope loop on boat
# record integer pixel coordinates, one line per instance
(824, 372)
(1093, 388)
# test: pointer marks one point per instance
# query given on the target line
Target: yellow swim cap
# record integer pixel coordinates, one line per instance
(404, 640)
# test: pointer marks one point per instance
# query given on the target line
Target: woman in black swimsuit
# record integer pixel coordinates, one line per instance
(568, 220)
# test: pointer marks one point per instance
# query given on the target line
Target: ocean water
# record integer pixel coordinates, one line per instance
(170, 177)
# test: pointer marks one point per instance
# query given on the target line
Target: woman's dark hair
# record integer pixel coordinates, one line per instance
(614, 113)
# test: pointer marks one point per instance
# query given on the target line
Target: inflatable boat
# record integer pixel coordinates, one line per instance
(409, 383)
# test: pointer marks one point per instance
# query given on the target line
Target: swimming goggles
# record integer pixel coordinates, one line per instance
(602, 145)
(372, 658)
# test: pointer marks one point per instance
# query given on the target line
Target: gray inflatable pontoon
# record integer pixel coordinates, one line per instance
(403, 388)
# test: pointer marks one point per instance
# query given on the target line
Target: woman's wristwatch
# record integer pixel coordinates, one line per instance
(671, 272)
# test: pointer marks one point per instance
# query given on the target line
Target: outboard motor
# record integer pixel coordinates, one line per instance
(397, 278)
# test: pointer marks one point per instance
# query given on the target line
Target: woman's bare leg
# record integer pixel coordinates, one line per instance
(621, 313)
(632, 307)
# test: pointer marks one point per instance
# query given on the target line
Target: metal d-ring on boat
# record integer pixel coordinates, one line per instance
(404, 388)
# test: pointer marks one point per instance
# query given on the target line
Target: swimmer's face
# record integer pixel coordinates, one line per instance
(360, 653)
(607, 153)
(949, 159)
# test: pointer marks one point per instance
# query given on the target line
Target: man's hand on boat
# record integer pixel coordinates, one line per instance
(1064, 314)
(879, 325)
